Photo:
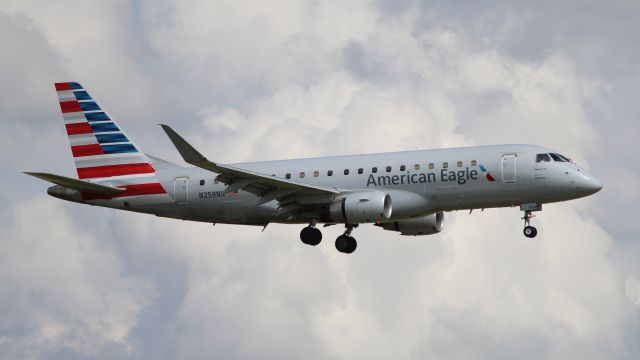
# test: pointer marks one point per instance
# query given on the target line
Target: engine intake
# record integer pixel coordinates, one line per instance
(425, 225)
(362, 207)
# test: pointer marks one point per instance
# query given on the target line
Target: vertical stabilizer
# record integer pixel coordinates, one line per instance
(101, 150)
(99, 146)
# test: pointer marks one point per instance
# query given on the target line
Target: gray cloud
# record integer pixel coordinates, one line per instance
(300, 79)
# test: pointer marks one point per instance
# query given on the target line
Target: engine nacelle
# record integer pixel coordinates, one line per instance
(361, 207)
(425, 225)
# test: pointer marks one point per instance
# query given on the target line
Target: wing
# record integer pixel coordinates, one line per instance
(267, 187)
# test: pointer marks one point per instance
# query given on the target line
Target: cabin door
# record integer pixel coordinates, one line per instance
(181, 190)
(509, 168)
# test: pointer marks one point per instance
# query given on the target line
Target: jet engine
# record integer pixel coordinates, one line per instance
(425, 225)
(361, 207)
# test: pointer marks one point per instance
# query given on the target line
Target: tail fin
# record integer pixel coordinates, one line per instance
(100, 148)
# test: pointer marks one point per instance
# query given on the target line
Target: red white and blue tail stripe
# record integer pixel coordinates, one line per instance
(101, 150)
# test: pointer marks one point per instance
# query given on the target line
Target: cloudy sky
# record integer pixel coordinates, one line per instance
(297, 78)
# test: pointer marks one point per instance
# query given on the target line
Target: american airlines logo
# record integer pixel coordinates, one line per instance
(486, 173)
(460, 177)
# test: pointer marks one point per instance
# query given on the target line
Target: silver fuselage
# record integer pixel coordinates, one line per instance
(419, 189)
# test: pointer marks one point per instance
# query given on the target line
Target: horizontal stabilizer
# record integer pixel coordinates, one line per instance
(78, 185)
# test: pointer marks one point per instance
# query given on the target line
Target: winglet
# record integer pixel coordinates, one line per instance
(78, 185)
(188, 152)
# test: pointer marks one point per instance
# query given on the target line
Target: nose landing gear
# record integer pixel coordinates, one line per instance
(345, 243)
(529, 231)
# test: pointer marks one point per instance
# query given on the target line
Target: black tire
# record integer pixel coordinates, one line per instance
(342, 243)
(307, 235)
(353, 244)
(530, 231)
(346, 244)
(315, 238)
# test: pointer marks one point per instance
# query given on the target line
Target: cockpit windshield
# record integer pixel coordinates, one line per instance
(560, 158)
(542, 158)
(555, 156)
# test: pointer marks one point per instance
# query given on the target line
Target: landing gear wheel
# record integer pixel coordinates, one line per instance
(316, 238)
(353, 244)
(311, 236)
(346, 244)
(342, 242)
(530, 231)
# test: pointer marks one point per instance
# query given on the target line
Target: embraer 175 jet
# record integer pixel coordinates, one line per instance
(407, 191)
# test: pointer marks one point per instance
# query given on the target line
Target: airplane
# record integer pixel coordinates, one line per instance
(406, 192)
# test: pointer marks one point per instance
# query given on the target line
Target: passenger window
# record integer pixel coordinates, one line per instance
(288, 176)
(403, 168)
(459, 164)
(374, 170)
(445, 165)
(360, 170)
(316, 173)
(330, 173)
(301, 174)
(346, 171)
(473, 163)
(416, 167)
(542, 158)
(388, 169)
(431, 166)
(201, 182)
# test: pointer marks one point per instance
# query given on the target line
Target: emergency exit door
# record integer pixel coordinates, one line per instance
(181, 190)
(509, 168)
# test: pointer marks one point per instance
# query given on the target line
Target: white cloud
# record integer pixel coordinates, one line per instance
(293, 79)
(230, 45)
(60, 287)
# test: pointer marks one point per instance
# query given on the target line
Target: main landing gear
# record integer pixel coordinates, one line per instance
(529, 231)
(311, 235)
(345, 243)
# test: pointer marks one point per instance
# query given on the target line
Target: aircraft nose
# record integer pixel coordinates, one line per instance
(587, 183)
